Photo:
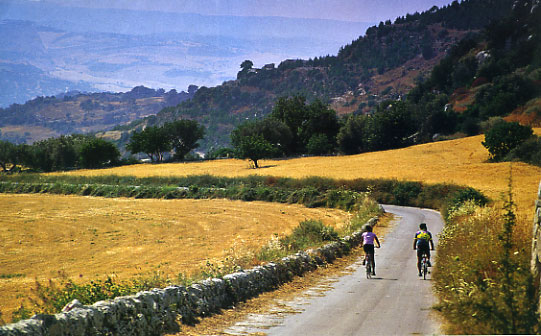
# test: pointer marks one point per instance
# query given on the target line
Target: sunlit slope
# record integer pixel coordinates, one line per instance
(462, 161)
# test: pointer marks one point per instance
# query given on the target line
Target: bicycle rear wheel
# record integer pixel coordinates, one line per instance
(369, 262)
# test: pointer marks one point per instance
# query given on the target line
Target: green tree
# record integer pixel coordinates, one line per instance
(322, 120)
(7, 154)
(503, 137)
(273, 131)
(390, 127)
(96, 152)
(184, 135)
(219, 153)
(293, 113)
(305, 120)
(153, 141)
(246, 65)
(351, 137)
(52, 154)
(529, 152)
(319, 144)
(254, 148)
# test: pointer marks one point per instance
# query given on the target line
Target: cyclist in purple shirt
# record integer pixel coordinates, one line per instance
(368, 247)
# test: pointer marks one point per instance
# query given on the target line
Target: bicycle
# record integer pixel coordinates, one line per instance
(369, 262)
(424, 265)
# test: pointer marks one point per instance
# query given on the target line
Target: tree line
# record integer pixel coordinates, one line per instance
(297, 128)
(87, 151)
(64, 152)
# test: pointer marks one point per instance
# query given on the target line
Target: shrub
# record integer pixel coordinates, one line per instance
(404, 192)
(529, 152)
(308, 233)
(459, 198)
(503, 137)
(319, 144)
(368, 209)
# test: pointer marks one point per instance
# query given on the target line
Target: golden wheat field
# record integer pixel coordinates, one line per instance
(90, 237)
(462, 161)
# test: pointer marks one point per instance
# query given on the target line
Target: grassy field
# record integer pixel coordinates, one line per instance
(86, 238)
(462, 161)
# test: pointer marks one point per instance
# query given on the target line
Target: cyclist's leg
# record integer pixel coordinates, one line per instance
(373, 259)
(419, 258)
(366, 252)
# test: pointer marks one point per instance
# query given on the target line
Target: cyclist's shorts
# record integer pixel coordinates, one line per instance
(423, 249)
(368, 248)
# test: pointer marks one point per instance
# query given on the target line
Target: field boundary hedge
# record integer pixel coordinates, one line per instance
(311, 192)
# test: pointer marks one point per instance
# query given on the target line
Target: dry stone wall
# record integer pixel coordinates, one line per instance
(159, 310)
(536, 244)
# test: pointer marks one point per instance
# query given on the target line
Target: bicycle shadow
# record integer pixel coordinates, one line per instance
(382, 278)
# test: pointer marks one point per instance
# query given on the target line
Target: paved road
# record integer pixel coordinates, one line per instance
(395, 302)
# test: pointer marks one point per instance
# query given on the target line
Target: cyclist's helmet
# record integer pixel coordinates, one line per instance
(422, 226)
(368, 228)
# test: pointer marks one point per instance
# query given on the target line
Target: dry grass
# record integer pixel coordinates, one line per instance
(461, 161)
(90, 237)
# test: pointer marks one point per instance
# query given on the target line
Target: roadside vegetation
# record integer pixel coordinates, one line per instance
(482, 274)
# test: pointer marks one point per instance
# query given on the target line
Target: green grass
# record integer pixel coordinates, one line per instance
(11, 275)
(312, 192)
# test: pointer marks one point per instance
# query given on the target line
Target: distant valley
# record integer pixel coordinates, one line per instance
(115, 50)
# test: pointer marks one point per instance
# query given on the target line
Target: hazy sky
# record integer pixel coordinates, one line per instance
(348, 10)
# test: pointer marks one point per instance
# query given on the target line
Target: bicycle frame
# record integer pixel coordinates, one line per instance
(424, 265)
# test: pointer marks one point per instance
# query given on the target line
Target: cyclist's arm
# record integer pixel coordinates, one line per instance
(415, 243)
(377, 241)
(432, 244)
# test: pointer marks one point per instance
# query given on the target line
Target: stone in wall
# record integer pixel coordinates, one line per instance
(536, 243)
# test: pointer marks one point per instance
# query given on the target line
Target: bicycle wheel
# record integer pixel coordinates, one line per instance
(425, 268)
(369, 266)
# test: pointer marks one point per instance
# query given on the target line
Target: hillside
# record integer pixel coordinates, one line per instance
(384, 64)
(75, 112)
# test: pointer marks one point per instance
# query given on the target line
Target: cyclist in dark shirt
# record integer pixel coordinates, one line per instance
(423, 243)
